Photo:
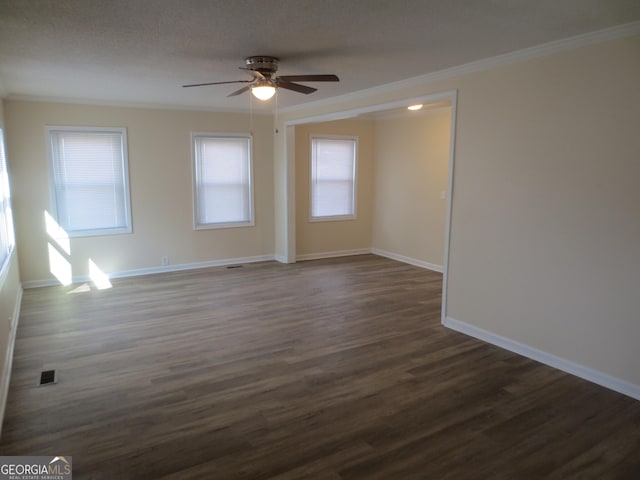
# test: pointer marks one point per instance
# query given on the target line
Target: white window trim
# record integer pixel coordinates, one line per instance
(125, 166)
(195, 175)
(334, 218)
(11, 248)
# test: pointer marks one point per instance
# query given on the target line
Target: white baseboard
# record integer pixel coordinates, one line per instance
(409, 260)
(339, 253)
(49, 282)
(152, 270)
(595, 376)
(375, 251)
(8, 361)
(280, 258)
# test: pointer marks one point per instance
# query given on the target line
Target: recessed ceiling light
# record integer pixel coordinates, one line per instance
(415, 107)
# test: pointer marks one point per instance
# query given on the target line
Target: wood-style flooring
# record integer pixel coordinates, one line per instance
(330, 369)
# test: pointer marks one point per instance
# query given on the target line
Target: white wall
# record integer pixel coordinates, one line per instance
(545, 233)
(160, 175)
(411, 172)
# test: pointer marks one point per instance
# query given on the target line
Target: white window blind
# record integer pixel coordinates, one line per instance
(7, 239)
(333, 178)
(223, 186)
(89, 180)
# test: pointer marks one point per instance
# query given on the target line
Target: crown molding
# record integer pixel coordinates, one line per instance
(599, 36)
(124, 104)
(542, 50)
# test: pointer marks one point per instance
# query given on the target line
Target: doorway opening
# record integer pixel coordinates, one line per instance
(412, 225)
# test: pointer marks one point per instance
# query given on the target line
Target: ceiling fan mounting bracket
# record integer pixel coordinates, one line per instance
(262, 64)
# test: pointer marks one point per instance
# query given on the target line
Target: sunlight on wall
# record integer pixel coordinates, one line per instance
(59, 254)
(57, 233)
(98, 277)
(59, 266)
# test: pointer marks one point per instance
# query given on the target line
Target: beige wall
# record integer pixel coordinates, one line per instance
(10, 294)
(334, 236)
(411, 165)
(160, 183)
(545, 236)
(545, 242)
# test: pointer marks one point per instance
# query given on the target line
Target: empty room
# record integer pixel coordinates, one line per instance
(323, 240)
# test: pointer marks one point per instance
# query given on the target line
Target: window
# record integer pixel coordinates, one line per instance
(333, 178)
(7, 240)
(89, 180)
(222, 180)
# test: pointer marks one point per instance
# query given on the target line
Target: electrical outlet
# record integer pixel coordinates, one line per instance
(165, 260)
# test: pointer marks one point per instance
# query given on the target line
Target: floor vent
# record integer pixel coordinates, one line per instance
(234, 266)
(48, 377)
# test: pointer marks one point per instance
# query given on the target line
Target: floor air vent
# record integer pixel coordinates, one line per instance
(234, 266)
(48, 377)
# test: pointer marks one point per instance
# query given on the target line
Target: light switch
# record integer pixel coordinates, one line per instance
(443, 194)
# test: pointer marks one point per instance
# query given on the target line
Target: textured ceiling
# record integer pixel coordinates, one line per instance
(141, 52)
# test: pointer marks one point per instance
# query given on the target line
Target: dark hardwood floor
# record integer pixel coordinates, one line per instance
(330, 369)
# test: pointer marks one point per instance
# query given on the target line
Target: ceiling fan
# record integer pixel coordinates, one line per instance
(265, 81)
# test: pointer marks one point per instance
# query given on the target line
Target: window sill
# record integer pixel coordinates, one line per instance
(337, 218)
(99, 233)
(216, 226)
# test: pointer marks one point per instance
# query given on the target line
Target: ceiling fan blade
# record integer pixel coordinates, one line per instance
(238, 92)
(296, 87)
(255, 73)
(310, 78)
(216, 83)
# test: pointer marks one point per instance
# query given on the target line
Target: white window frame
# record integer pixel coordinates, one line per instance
(195, 164)
(5, 204)
(122, 132)
(333, 218)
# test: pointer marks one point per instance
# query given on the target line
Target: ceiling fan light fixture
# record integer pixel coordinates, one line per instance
(263, 92)
(265, 79)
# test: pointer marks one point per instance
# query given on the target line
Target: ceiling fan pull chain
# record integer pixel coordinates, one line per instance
(251, 115)
(275, 117)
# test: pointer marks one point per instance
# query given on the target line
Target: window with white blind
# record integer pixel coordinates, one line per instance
(7, 240)
(89, 180)
(222, 170)
(333, 178)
